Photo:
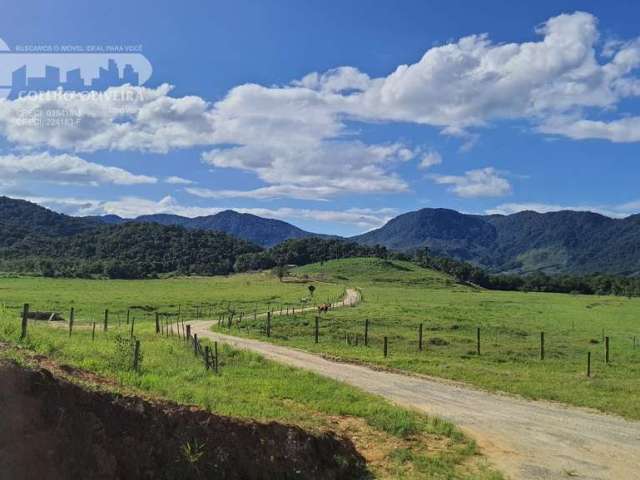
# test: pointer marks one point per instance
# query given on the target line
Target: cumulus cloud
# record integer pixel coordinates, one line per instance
(297, 137)
(484, 182)
(64, 169)
(624, 130)
(430, 159)
(121, 118)
(173, 180)
(327, 168)
(267, 193)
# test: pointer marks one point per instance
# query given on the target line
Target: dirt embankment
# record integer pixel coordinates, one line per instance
(53, 429)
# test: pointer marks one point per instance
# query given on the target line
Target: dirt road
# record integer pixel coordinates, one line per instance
(525, 439)
(351, 297)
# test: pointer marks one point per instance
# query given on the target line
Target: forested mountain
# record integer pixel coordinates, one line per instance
(130, 250)
(555, 242)
(37, 240)
(265, 232)
(20, 220)
(565, 242)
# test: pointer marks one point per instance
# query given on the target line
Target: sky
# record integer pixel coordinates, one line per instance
(334, 116)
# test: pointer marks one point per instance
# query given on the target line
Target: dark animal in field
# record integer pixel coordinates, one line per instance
(324, 307)
(50, 316)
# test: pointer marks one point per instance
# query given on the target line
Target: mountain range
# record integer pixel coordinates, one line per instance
(265, 232)
(556, 242)
(524, 242)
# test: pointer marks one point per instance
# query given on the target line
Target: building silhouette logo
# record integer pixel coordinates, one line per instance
(26, 73)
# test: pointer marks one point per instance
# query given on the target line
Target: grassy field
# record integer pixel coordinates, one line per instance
(396, 443)
(194, 296)
(399, 296)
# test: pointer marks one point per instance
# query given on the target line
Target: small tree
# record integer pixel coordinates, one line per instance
(311, 290)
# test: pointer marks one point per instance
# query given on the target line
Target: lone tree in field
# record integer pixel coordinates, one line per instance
(311, 290)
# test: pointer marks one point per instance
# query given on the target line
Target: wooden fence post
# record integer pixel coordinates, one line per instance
(106, 319)
(366, 332)
(541, 345)
(93, 332)
(215, 358)
(25, 319)
(188, 332)
(269, 324)
(136, 356)
(606, 349)
(195, 344)
(128, 316)
(157, 323)
(133, 323)
(386, 345)
(588, 364)
(317, 329)
(478, 341)
(420, 337)
(71, 314)
(206, 357)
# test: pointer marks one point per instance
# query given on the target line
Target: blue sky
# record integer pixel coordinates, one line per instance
(336, 116)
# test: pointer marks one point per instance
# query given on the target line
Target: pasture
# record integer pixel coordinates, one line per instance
(192, 297)
(397, 443)
(398, 297)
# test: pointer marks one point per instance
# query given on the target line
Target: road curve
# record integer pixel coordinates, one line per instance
(529, 440)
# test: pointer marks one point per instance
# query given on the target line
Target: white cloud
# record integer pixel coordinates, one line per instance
(296, 138)
(362, 218)
(64, 169)
(274, 191)
(122, 118)
(472, 81)
(624, 130)
(325, 168)
(430, 159)
(173, 180)
(484, 182)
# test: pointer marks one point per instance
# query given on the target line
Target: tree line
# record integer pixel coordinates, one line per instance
(149, 250)
(592, 284)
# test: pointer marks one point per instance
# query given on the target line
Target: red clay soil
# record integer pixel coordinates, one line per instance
(54, 429)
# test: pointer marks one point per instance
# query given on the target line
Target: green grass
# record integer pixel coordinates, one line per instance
(247, 386)
(398, 296)
(209, 296)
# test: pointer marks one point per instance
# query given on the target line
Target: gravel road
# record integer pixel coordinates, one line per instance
(529, 440)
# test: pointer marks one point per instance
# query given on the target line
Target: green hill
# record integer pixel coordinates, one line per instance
(554, 242)
(362, 271)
